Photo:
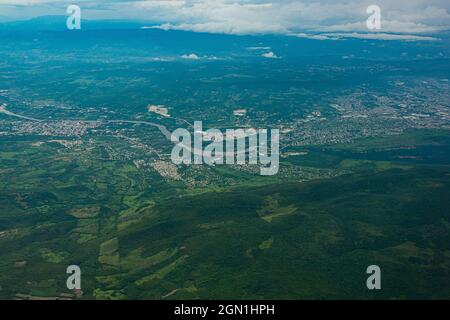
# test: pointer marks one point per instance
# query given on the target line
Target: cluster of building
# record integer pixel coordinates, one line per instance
(60, 128)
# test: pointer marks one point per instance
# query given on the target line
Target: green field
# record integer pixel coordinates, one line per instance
(135, 235)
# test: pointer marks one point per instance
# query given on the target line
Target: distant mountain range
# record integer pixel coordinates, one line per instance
(59, 23)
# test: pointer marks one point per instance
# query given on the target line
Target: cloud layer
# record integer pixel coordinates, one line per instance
(254, 16)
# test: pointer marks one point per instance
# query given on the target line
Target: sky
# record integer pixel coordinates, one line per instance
(405, 18)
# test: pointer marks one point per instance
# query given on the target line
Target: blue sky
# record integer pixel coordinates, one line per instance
(411, 17)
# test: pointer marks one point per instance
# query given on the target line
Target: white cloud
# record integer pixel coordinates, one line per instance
(258, 48)
(257, 5)
(379, 36)
(240, 28)
(387, 26)
(191, 56)
(257, 16)
(269, 55)
(240, 17)
(313, 36)
(369, 36)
